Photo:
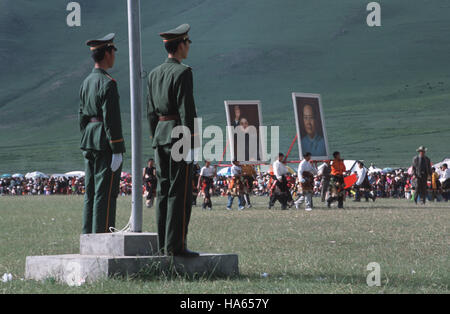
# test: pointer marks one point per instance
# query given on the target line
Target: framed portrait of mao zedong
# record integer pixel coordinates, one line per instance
(244, 119)
(310, 123)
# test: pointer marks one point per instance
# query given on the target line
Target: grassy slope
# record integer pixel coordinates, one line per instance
(385, 90)
(323, 251)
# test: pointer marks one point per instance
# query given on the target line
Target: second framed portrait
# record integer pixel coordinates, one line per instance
(243, 121)
(310, 122)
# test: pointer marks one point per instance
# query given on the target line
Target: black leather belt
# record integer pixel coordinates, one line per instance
(169, 117)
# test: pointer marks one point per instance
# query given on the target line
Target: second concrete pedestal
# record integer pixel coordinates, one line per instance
(119, 244)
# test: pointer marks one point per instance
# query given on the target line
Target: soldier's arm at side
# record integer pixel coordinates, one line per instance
(111, 118)
(82, 119)
(152, 117)
(185, 98)
(413, 165)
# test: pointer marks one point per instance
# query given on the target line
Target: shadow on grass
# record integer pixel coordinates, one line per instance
(158, 271)
(397, 281)
(371, 208)
(154, 273)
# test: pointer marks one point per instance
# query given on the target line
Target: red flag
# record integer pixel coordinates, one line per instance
(349, 181)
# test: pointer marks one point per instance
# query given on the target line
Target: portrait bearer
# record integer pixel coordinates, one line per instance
(170, 103)
(101, 138)
(337, 184)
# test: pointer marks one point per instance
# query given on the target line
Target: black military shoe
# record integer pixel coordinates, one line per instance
(187, 253)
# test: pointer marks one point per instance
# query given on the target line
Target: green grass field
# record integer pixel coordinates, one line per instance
(323, 251)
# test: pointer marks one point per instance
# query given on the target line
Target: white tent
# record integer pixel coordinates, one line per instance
(76, 174)
(439, 164)
(59, 175)
(320, 168)
(350, 165)
(225, 172)
(373, 169)
(265, 168)
(36, 174)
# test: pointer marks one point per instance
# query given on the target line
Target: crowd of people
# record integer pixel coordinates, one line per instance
(61, 185)
(331, 182)
(245, 181)
(395, 184)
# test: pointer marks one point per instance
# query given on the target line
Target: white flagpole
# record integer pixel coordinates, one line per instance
(134, 38)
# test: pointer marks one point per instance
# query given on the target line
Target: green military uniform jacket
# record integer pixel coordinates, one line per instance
(99, 98)
(170, 92)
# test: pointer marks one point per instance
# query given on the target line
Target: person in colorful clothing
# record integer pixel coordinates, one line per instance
(337, 190)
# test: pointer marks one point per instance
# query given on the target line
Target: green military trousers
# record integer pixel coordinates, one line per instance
(102, 189)
(174, 200)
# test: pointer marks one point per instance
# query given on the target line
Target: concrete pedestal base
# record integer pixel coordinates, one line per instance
(75, 269)
(124, 254)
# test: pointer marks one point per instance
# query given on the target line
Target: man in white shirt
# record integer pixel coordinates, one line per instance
(444, 178)
(205, 182)
(279, 168)
(445, 174)
(236, 186)
(306, 172)
(279, 190)
(361, 172)
(363, 183)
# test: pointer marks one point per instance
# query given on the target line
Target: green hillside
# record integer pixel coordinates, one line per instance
(385, 90)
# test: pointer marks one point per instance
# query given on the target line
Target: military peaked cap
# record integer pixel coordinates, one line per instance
(102, 42)
(179, 33)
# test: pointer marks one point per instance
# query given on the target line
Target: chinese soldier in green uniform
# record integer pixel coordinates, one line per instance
(170, 103)
(101, 139)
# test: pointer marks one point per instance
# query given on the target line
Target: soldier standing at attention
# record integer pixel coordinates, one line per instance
(101, 139)
(170, 103)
